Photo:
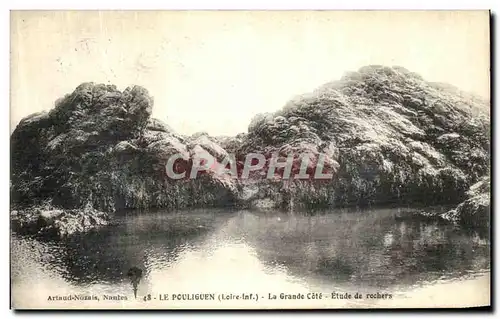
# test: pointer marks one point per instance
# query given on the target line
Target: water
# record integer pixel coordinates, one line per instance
(235, 252)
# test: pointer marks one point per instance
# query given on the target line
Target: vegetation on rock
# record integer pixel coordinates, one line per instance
(475, 210)
(99, 148)
(388, 137)
(46, 220)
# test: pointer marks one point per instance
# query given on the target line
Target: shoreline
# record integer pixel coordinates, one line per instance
(472, 289)
(46, 221)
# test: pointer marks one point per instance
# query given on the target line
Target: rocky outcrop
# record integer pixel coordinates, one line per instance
(100, 148)
(475, 210)
(47, 221)
(389, 138)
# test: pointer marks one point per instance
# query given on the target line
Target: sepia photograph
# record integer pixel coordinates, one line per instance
(192, 159)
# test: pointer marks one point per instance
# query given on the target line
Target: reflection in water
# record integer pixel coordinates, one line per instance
(245, 250)
(366, 248)
(135, 275)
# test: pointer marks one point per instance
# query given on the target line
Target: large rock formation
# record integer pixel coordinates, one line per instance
(99, 148)
(389, 138)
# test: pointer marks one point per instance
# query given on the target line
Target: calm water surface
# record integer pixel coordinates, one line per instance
(221, 251)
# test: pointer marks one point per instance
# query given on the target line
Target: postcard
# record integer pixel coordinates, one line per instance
(250, 159)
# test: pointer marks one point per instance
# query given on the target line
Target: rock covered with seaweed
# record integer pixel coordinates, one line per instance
(44, 220)
(389, 137)
(475, 210)
(100, 148)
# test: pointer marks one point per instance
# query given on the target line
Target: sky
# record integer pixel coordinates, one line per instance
(213, 71)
